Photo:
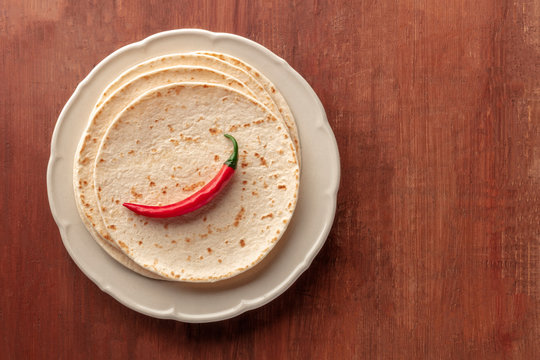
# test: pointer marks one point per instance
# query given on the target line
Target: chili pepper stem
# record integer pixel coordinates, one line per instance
(233, 159)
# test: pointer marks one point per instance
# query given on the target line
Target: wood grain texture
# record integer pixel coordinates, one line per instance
(435, 251)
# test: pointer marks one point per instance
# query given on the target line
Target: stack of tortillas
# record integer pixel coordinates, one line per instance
(155, 137)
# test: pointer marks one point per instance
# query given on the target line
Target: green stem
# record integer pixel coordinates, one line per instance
(233, 159)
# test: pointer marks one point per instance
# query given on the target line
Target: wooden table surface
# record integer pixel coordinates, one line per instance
(435, 250)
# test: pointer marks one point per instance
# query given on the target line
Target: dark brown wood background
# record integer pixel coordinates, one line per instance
(435, 251)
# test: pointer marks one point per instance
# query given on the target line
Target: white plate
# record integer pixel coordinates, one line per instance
(294, 253)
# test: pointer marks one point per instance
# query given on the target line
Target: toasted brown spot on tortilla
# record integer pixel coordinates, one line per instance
(277, 232)
(265, 185)
(201, 257)
(187, 138)
(244, 182)
(153, 149)
(138, 142)
(131, 152)
(135, 193)
(242, 243)
(152, 183)
(247, 125)
(282, 187)
(173, 241)
(151, 127)
(164, 191)
(219, 261)
(239, 216)
(226, 241)
(271, 215)
(244, 164)
(254, 193)
(165, 226)
(193, 186)
(263, 162)
(112, 227)
(213, 131)
(209, 250)
(216, 157)
(158, 246)
(174, 141)
(188, 239)
(123, 245)
(107, 237)
(140, 243)
(145, 223)
(158, 94)
(204, 218)
(171, 129)
(101, 160)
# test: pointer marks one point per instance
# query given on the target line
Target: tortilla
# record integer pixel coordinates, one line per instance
(164, 147)
(190, 59)
(101, 119)
(263, 89)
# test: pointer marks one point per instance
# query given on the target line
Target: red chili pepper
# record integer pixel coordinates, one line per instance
(197, 200)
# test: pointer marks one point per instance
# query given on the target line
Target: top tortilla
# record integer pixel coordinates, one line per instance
(165, 146)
